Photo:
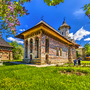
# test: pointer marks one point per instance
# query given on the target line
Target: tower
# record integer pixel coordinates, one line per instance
(64, 29)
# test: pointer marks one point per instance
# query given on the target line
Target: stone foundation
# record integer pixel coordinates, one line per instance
(26, 60)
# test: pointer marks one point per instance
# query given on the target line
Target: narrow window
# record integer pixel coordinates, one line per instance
(57, 51)
(60, 51)
(47, 46)
(62, 33)
(31, 46)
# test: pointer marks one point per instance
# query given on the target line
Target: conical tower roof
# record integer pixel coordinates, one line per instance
(64, 25)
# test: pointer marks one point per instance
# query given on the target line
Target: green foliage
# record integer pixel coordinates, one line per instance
(53, 2)
(17, 50)
(87, 46)
(87, 9)
(77, 55)
(22, 77)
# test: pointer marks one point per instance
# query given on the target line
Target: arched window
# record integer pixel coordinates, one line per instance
(37, 47)
(26, 49)
(57, 51)
(31, 45)
(47, 46)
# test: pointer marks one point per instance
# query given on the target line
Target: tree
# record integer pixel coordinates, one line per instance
(11, 9)
(87, 46)
(17, 50)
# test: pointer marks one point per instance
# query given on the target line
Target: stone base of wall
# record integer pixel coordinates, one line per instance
(33, 61)
(26, 60)
(36, 61)
(58, 61)
(54, 61)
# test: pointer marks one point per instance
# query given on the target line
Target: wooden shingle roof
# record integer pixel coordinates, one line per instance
(3, 43)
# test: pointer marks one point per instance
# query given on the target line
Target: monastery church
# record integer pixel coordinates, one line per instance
(45, 45)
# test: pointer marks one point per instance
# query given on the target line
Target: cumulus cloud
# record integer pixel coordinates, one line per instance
(87, 39)
(79, 12)
(71, 35)
(21, 29)
(79, 34)
(13, 39)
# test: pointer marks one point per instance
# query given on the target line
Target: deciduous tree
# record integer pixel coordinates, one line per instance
(11, 9)
(17, 50)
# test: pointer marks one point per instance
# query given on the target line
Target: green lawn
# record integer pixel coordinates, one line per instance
(23, 77)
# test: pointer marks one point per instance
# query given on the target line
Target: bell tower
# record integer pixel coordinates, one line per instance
(64, 29)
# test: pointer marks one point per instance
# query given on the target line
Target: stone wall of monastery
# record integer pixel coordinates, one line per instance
(52, 55)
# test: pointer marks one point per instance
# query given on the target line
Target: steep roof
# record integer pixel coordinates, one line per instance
(3, 43)
(47, 25)
(64, 25)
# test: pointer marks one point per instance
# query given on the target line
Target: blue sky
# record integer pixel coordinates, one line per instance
(54, 16)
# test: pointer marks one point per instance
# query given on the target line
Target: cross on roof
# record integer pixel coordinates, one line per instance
(64, 18)
(42, 17)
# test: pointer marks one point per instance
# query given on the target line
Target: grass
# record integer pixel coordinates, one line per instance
(23, 77)
(20, 60)
(83, 62)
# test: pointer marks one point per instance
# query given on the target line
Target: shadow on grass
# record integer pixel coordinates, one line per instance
(8, 64)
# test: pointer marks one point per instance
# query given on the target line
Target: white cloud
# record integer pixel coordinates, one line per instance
(79, 12)
(79, 34)
(87, 39)
(71, 35)
(21, 29)
(13, 39)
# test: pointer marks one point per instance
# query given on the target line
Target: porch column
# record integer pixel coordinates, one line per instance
(28, 48)
(24, 50)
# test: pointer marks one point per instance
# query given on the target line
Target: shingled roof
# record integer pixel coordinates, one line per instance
(3, 43)
(64, 25)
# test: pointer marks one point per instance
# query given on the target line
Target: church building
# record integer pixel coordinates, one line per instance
(5, 50)
(45, 45)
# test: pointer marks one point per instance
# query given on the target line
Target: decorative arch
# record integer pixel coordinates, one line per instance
(37, 47)
(31, 45)
(26, 49)
(47, 45)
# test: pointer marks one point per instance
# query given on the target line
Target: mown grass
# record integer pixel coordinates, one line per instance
(82, 63)
(23, 77)
(19, 60)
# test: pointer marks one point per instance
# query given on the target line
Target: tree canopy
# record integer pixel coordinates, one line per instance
(87, 46)
(11, 9)
(17, 50)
